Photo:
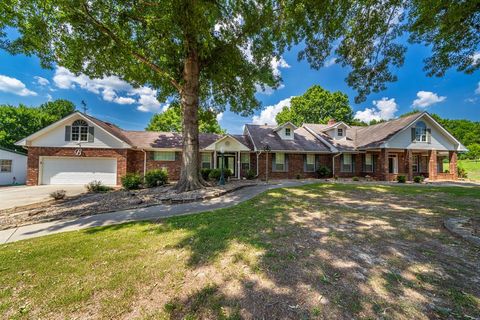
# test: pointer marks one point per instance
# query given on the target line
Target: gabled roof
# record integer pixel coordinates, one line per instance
(303, 140)
(347, 144)
(166, 140)
(280, 127)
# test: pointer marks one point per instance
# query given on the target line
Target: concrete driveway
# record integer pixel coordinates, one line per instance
(22, 195)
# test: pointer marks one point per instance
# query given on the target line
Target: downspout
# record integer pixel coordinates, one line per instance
(333, 163)
(258, 155)
(144, 163)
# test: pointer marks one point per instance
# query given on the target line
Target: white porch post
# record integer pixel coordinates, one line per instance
(215, 159)
(238, 164)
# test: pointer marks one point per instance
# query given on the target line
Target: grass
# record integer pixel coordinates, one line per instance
(318, 251)
(472, 168)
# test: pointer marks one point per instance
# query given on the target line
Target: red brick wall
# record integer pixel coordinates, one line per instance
(295, 166)
(135, 161)
(34, 154)
(173, 167)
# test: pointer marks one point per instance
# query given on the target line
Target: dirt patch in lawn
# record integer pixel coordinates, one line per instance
(117, 200)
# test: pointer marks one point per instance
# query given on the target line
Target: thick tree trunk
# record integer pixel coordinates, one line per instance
(190, 178)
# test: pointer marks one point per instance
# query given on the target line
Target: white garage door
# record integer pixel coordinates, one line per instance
(79, 170)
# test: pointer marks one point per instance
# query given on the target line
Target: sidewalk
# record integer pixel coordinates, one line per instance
(150, 213)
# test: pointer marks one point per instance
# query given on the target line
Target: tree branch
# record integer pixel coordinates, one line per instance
(105, 30)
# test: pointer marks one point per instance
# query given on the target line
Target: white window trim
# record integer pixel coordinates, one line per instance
(288, 132)
(274, 169)
(343, 164)
(370, 156)
(79, 128)
(338, 132)
(204, 162)
(307, 164)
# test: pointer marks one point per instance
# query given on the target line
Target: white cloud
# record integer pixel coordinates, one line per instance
(383, 109)
(41, 81)
(477, 91)
(277, 64)
(330, 62)
(427, 98)
(110, 89)
(268, 114)
(49, 97)
(476, 58)
(219, 116)
(14, 86)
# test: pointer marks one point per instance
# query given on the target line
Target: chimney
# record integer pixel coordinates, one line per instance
(331, 122)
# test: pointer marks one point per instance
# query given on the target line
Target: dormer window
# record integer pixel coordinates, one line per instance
(340, 132)
(79, 131)
(288, 132)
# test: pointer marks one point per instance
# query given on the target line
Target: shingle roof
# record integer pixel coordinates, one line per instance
(303, 140)
(110, 128)
(168, 140)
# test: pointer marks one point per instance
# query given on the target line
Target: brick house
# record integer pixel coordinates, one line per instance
(80, 148)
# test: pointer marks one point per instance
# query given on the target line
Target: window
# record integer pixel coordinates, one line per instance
(347, 163)
(279, 163)
(415, 163)
(164, 156)
(310, 163)
(368, 162)
(245, 161)
(420, 132)
(340, 132)
(79, 131)
(5, 165)
(288, 132)
(206, 160)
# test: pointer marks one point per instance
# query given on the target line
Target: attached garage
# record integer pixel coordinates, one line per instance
(79, 171)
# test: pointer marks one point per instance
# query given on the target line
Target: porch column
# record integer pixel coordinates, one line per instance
(383, 159)
(409, 164)
(238, 164)
(215, 159)
(452, 156)
(432, 165)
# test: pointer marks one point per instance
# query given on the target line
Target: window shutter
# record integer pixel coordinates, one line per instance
(429, 135)
(304, 163)
(273, 162)
(68, 131)
(413, 134)
(151, 155)
(353, 162)
(177, 156)
(286, 162)
(91, 130)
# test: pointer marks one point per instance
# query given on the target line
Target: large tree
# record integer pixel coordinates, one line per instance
(18, 122)
(317, 105)
(171, 120)
(217, 53)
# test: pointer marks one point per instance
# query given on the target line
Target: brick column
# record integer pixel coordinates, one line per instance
(409, 164)
(383, 164)
(358, 164)
(452, 155)
(432, 165)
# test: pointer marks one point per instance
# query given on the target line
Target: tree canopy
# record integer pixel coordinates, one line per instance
(171, 121)
(317, 105)
(217, 53)
(19, 122)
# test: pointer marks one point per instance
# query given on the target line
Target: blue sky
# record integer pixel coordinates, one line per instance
(455, 96)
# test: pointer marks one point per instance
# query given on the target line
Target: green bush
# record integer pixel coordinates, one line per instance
(156, 178)
(323, 172)
(356, 179)
(97, 186)
(418, 179)
(401, 179)
(205, 172)
(462, 173)
(216, 173)
(250, 174)
(131, 181)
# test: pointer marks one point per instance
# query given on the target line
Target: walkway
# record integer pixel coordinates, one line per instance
(150, 213)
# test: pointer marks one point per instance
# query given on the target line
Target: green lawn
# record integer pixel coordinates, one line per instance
(318, 251)
(472, 167)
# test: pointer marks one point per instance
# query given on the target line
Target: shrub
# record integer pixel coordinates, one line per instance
(58, 194)
(131, 181)
(401, 179)
(216, 173)
(323, 172)
(97, 186)
(250, 174)
(298, 176)
(356, 179)
(205, 172)
(156, 178)
(462, 173)
(418, 179)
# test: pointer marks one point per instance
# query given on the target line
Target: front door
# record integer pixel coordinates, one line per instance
(392, 164)
(229, 163)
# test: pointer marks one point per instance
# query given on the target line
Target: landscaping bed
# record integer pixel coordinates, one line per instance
(116, 200)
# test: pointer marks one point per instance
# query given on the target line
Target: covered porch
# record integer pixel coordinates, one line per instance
(431, 164)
